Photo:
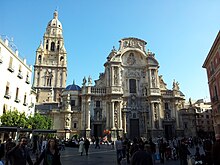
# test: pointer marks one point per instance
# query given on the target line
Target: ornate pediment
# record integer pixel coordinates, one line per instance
(132, 43)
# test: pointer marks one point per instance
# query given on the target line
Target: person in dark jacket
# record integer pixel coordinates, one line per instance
(216, 150)
(142, 156)
(2, 150)
(20, 154)
(86, 145)
(8, 146)
(50, 155)
(183, 152)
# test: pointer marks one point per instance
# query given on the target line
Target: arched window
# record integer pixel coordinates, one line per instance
(47, 44)
(61, 58)
(132, 85)
(39, 58)
(52, 46)
(58, 45)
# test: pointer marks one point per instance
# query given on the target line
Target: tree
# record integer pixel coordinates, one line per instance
(17, 119)
(39, 122)
(14, 119)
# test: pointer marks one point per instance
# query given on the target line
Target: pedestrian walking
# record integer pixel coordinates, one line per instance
(20, 154)
(50, 154)
(97, 143)
(86, 145)
(119, 147)
(81, 146)
(162, 149)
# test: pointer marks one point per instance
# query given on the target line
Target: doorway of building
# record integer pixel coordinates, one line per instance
(134, 128)
(168, 132)
(97, 130)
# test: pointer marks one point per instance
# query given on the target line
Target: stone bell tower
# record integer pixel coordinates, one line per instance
(50, 69)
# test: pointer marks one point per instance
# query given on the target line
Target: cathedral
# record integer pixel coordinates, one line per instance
(129, 99)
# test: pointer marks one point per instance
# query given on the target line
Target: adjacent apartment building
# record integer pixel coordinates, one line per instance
(212, 65)
(15, 84)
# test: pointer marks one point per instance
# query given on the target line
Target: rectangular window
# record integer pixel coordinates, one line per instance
(27, 78)
(7, 91)
(17, 95)
(20, 72)
(97, 103)
(132, 85)
(10, 66)
(25, 99)
(166, 106)
(73, 103)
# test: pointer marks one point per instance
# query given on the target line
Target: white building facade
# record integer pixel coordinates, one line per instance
(15, 88)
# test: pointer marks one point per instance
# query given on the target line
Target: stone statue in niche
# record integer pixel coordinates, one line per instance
(153, 82)
(68, 99)
(67, 120)
(115, 76)
(97, 116)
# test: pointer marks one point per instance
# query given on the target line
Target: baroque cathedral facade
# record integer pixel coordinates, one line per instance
(129, 98)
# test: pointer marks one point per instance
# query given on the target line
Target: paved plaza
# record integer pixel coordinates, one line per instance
(103, 156)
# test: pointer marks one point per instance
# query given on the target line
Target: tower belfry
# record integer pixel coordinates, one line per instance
(50, 69)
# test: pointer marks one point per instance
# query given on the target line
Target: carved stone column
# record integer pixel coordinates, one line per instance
(124, 122)
(107, 115)
(159, 117)
(120, 117)
(63, 78)
(177, 116)
(83, 115)
(152, 116)
(88, 115)
(113, 115)
(145, 121)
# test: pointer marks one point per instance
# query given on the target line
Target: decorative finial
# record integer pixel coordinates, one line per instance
(113, 49)
(73, 82)
(55, 14)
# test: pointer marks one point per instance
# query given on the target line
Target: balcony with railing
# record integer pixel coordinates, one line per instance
(7, 95)
(17, 100)
(11, 69)
(98, 91)
(154, 92)
(167, 93)
(20, 75)
(27, 80)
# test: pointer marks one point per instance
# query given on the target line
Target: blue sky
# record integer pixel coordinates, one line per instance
(180, 33)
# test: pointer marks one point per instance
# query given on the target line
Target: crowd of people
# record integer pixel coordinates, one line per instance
(138, 151)
(187, 151)
(19, 154)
